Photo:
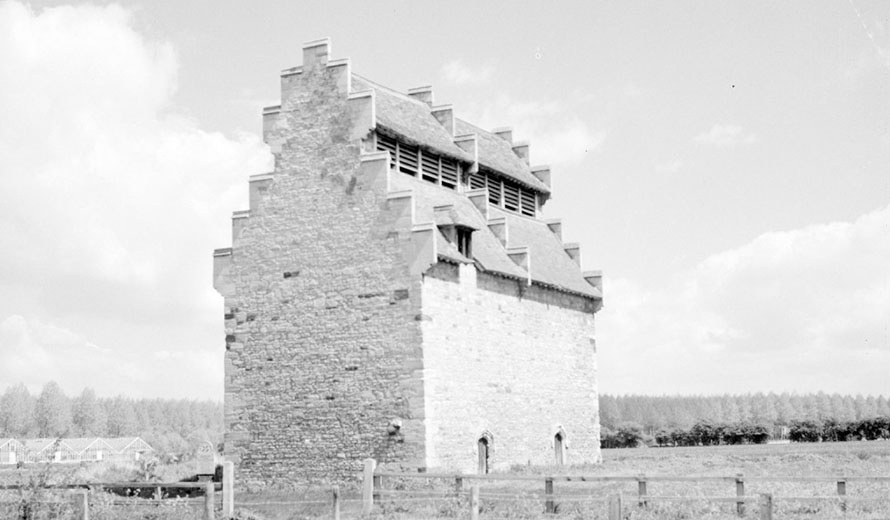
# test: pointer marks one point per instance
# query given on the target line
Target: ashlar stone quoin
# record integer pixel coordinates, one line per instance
(393, 293)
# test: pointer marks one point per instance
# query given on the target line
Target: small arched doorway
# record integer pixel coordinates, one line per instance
(559, 448)
(483, 450)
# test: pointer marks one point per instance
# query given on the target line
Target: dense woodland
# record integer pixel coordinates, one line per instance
(172, 427)
(632, 420)
(177, 427)
(667, 412)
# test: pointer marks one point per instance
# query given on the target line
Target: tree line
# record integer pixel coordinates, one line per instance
(654, 413)
(629, 421)
(171, 426)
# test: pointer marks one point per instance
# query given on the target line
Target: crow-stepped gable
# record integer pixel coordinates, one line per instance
(393, 293)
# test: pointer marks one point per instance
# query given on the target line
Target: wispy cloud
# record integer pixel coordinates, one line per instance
(555, 134)
(669, 166)
(803, 309)
(726, 136)
(459, 73)
(98, 173)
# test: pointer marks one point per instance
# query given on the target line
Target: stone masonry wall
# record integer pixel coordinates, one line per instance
(323, 348)
(518, 368)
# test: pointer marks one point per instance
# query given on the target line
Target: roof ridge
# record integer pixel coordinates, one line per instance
(389, 90)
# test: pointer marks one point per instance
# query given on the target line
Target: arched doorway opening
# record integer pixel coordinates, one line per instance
(483, 450)
(559, 448)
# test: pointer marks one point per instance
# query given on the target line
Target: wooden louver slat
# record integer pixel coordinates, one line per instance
(511, 197)
(449, 173)
(477, 182)
(388, 144)
(430, 167)
(408, 158)
(527, 198)
(494, 191)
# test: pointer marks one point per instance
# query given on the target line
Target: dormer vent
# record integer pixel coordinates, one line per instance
(505, 133)
(574, 252)
(555, 226)
(479, 198)
(521, 151)
(444, 114)
(498, 227)
(595, 279)
(542, 173)
(424, 94)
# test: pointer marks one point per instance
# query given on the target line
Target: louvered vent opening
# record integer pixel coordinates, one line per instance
(449, 173)
(408, 159)
(528, 202)
(388, 144)
(413, 161)
(477, 182)
(511, 197)
(430, 167)
(494, 191)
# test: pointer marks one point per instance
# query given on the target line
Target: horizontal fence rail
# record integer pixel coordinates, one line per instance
(79, 494)
(373, 489)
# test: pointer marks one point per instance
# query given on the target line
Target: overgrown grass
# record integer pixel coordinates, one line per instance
(586, 500)
(435, 498)
(38, 496)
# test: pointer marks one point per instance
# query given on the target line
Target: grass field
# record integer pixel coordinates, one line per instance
(434, 498)
(524, 500)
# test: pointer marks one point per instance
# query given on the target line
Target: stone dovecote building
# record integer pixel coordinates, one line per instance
(393, 293)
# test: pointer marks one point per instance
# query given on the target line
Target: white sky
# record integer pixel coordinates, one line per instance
(727, 164)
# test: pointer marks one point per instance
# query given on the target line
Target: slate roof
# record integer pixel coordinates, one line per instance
(550, 264)
(82, 443)
(121, 443)
(496, 154)
(38, 445)
(410, 118)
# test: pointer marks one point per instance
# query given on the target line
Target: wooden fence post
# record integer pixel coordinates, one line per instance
(615, 507)
(336, 492)
(228, 490)
(208, 501)
(549, 506)
(841, 492)
(766, 506)
(81, 504)
(368, 486)
(740, 492)
(641, 490)
(474, 501)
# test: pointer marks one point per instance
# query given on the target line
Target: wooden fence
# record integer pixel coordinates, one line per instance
(78, 493)
(373, 489)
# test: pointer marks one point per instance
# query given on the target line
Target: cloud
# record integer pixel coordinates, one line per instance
(669, 166)
(555, 134)
(112, 200)
(33, 352)
(726, 136)
(458, 73)
(798, 310)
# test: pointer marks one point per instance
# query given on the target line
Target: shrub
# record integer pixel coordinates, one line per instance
(805, 431)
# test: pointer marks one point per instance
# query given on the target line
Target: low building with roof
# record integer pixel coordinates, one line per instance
(393, 292)
(47, 450)
(89, 449)
(127, 449)
(11, 451)
(73, 450)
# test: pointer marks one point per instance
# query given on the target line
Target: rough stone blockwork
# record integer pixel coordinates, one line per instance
(357, 327)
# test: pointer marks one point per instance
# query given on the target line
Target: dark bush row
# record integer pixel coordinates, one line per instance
(832, 430)
(704, 433)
